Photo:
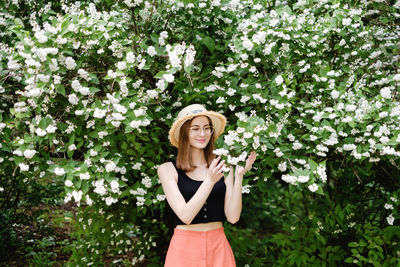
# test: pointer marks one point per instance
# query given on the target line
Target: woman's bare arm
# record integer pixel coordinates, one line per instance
(233, 195)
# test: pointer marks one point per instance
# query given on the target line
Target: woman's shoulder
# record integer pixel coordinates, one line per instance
(167, 168)
(167, 165)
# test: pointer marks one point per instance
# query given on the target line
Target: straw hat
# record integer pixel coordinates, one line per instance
(218, 121)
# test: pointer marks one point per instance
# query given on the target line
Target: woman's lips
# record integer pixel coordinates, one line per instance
(201, 140)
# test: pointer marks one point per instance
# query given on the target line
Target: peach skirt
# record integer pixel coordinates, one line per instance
(199, 249)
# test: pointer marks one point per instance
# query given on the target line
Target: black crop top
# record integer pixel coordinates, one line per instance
(213, 208)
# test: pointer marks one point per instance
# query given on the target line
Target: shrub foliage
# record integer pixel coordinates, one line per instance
(90, 88)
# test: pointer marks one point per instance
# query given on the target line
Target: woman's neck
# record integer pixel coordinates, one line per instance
(198, 157)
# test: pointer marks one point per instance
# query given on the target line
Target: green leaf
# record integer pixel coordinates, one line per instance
(94, 90)
(313, 165)
(85, 187)
(209, 43)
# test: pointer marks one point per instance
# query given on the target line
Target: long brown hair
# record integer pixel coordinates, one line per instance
(184, 158)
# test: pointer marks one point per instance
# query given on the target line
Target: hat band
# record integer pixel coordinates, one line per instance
(194, 111)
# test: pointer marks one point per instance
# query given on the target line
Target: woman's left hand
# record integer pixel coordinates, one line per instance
(240, 171)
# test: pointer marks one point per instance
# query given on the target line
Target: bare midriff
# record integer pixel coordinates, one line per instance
(200, 226)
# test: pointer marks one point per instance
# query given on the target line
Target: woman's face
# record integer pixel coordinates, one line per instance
(200, 132)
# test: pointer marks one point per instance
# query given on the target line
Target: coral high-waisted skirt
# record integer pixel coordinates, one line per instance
(199, 249)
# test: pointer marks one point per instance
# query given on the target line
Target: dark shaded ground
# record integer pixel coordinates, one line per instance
(43, 235)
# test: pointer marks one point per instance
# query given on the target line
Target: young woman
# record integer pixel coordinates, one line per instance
(196, 192)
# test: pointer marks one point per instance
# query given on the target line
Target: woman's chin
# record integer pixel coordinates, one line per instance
(199, 145)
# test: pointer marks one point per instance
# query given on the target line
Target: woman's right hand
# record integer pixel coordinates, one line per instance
(215, 171)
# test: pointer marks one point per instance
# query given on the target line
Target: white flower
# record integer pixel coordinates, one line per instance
(390, 219)
(67, 198)
(110, 166)
(40, 132)
(110, 200)
(152, 93)
(289, 179)
(313, 187)
(77, 195)
(137, 166)
(114, 186)
(221, 151)
(346, 21)
(233, 160)
(83, 73)
(151, 51)
(99, 113)
(242, 156)
(68, 183)
(1, 189)
(383, 114)
(229, 140)
(225, 169)
(59, 171)
(51, 128)
(130, 57)
(41, 37)
(396, 77)
(89, 201)
(121, 65)
(34, 92)
(248, 44)
(386, 93)
(99, 187)
(93, 153)
(160, 197)
(23, 166)
(72, 147)
(282, 166)
(246, 189)
(139, 112)
(190, 54)
(350, 108)
(279, 80)
(135, 124)
(297, 145)
(349, 147)
(70, 63)
(220, 100)
(164, 34)
(73, 99)
(303, 179)
(161, 84)
(388, 206)
(384, 139)
(84, 90)
(335, 94)
(29, 153)
(168, 77)
(247, 135)
(76, 85)
(174, 59)
(18, 152)
(84, 176)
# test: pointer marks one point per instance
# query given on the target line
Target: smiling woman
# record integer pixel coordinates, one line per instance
(200, 199)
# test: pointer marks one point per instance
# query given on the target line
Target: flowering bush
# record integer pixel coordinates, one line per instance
(89, 90)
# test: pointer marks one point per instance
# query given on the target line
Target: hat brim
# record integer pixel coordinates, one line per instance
(218, 121)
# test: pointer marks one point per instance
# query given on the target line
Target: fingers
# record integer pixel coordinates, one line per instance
(250, 160)
(214, 162)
